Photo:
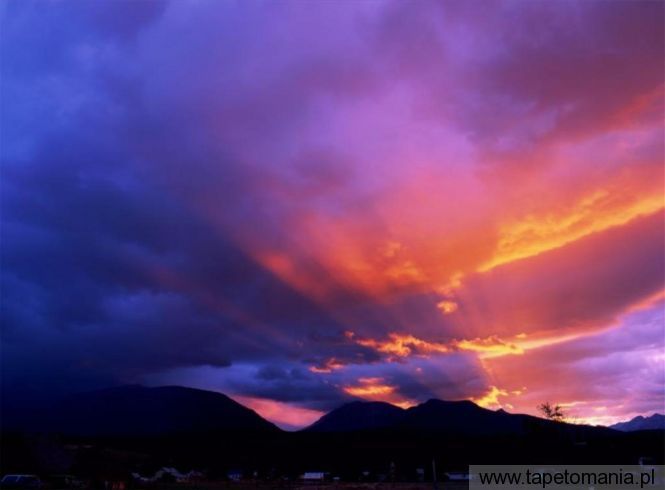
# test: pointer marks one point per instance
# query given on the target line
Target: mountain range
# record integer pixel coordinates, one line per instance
(134, 426)
(654, 422)
(141, 411)
(462, 418)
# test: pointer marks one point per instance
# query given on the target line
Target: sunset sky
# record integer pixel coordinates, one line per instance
(300, 204)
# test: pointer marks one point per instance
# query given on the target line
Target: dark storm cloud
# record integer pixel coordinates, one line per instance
(108, 274)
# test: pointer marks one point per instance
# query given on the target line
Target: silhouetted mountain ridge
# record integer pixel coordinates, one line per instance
(133, 426)
(453, 417)
(653, 422)
(135, 410)
(141, 411)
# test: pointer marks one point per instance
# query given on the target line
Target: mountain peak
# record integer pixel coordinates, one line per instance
(358, 415)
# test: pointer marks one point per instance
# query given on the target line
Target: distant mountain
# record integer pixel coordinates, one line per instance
(358, 416)
(656, 421)
(139, 411)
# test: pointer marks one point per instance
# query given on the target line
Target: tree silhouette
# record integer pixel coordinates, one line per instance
(552, 412)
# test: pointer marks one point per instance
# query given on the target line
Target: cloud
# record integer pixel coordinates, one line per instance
(582, 286)
(213, 194)
(605, 377)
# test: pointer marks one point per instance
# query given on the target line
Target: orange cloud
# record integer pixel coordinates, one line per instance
(447, 306)
(404, 345)
(491, 398)
(328, 366)
(489, 347)
(536, 234)
(370, 388)
(401, 345)
(376, 389)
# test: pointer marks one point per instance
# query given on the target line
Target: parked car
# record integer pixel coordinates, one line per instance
(20, 481)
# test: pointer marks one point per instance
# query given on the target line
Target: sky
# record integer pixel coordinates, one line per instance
(301, 204)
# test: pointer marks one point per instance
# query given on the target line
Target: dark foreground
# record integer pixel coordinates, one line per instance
(136, 437)
(365, 459)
